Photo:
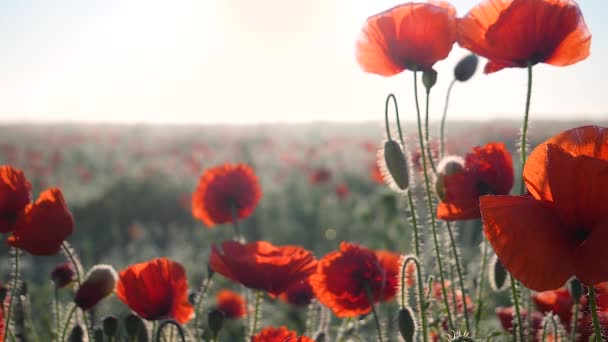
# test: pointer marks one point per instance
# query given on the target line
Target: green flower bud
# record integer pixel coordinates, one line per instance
(466, 67)
(407, 324)
(429, 78)
(395, 169)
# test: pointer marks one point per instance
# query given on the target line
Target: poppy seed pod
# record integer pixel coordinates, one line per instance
(98, 335)
(98, 284)
(77, 334)
(215, 320)
(395, 169)
(110, 326)
(448, 166)
(576, 289)
(429, 78)
(466, 67)
(135, 327)
(407, 325)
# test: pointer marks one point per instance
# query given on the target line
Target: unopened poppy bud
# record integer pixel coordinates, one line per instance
(498, 275)
(448, 166)
(395, 168)
(98, 335)
(215, 320)
(321, 337)
(576, 289)
(466, 67)
(63, 275)
(407, 325)
(98, 284)
(77, 334)
(134, 325)
(429, 78)
(110, 326)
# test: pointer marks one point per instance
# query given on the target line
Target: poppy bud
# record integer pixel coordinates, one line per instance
(498, 275)
(77, 334)
(215, 320)
(447, 166)
(576, 289)
(110, 326)
(98, 335)
(407, 325)
(466, 67)
(395, 167)
(63, 275)
(321, 337)
(429, 78)
(135, 326)
(98, 284)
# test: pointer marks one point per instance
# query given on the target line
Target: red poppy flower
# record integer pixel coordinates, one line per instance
(487, 170)
(15, 194)
(461, 300)
(156, 289)
(224, 189)
(319, 176)
(559, 231)
(342, 277)
(558, 302)
(42, 226)
(63, 274)
(513, 33)
(411, 36)
(391, 263)
(281, 334)
(260, 265)
(298, 294)
(505, 316)
(376, 173)
(342, 191)
(231, 304)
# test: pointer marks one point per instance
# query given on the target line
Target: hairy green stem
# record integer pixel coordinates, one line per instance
(460, 277)
(556, 336)
(574, 321)
(426, 131)
(14, 292)
(443, 118)
(482, 279)
(430, 204)
(370, 299)
(67, 322)
(421, 297)
(173, 323)
(256, 313)
(593, 308)
(197, 306)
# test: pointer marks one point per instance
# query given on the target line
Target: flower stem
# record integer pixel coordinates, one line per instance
(426, 131)
(421, 297)
(593, 308)
(57, 318)
(556, 336)
(14, 289)
(430, 204)
(524, 129)
(174, 323)
(67, 249)
(515, 299)
(197, 306)
(443, 118)
(370, 299)
(460, 278)
(410, 202)
(67, 321)
(574, 321)
(256, 313)
(86, 325)
(482, 278)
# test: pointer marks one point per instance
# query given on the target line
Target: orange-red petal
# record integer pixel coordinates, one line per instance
(529, 240)
(461, 198)
(15, 194)
(42, 226)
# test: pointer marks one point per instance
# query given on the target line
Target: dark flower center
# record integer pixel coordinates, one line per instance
(581, 235)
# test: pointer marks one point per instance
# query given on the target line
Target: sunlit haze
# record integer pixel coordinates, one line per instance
(248, 61)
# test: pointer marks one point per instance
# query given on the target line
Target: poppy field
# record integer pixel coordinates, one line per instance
(401, 229)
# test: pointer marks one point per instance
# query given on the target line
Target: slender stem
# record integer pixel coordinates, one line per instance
(86, 325)
(410, 202)
(256, 312)
(460, 278)
(574, 321)
(426, 132)
(524, 129)
(370, 299)
(556, 336)
(515, 295)
(482, 279)
(67, 322)
(430, 204)
(173, 323)
(68, 252)
(197, 306)
(593, 307)
(421, 296)
(445, 114)
(14, 289)
(57, 318)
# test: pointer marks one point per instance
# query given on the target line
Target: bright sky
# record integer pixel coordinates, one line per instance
(243, 61)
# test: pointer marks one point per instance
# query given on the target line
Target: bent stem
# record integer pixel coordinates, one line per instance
(430, 204)
(174, 323)
(256, 313)
(69, 252)
(370, 299)
(593, 307)
(67, 321)
(197, 305)
(421, 297)
(14, 289)
(459, 271)
(482, 278)
(443, 118)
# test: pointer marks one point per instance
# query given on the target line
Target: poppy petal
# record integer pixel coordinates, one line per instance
(461, 198)
(589, 141)
(577, 45)
(590, 268)
(515, 224)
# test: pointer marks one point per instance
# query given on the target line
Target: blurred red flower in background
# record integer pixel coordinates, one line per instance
(298, 294)
(156, 289)
(15, 194)
(342, 277)
(260, 265)
(231, 304)
(566, 176)
(224, 191)
(513, 33)
(319, 176)
(487, 170)
(281, 334)
(63, 274)
(391, 263)
(411, 36)
(342, 191)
